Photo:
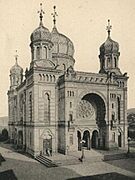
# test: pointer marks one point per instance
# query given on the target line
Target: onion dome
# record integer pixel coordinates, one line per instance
(40, 33)
(109, 46)
(16, 69)
(62, 44)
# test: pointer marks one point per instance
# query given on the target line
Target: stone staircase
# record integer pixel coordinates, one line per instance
(72, 158)
(45, 161)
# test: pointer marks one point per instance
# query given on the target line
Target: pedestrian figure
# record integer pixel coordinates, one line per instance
(48, 152)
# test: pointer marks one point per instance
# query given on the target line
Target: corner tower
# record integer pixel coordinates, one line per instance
(109, 54)
(16, 74)
(41, 44)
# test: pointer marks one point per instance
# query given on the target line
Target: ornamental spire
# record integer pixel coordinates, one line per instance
(16, 57)
(41, 12)
(54, 14)
(108, 28)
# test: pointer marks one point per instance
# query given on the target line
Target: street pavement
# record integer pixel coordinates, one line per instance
(25, 168)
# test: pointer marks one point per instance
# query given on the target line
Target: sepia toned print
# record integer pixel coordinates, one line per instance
(64, 119)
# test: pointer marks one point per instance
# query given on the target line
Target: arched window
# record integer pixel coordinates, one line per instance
(30, 138)
(113, 117)
(109, 62)
(47, 107)
(47, 77)
(64, 67)
(70, 104)
(38, 53)
(70, 117)
(14, 80)
(44, 52)
(50, 78)
(118, 101)
(43, 77)
(30, 106)
(115, 62)
(40, 77)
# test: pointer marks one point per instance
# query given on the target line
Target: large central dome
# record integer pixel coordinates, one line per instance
(62, 45)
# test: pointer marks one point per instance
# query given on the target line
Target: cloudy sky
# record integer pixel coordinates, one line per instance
(83, 21)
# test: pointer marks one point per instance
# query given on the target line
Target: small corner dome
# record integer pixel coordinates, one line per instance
(40, 33)
(62, 44)
(109, 46)
(16, 69)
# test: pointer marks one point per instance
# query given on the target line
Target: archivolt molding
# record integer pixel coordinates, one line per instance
(95, 129)
(46, 134)
(83, 93)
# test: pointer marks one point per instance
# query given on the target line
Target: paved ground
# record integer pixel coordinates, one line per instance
(24, 168)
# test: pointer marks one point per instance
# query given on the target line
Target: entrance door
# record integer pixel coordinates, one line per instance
(86, 138)
(47, 144)
(94, 141)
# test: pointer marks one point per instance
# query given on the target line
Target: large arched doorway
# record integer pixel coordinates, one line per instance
(91, 111)
(47, 143)
(79, 140)
(47, 146)
(94, 139)
(86, 138)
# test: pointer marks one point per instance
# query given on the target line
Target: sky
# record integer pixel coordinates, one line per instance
(83, 21)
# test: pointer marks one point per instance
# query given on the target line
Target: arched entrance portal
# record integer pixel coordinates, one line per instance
(94, 139)
(91, 111)
(86, 138)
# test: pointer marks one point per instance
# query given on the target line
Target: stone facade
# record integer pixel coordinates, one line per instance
(55, 107)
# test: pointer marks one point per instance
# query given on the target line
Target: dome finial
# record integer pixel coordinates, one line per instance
(41, 12)
(54, 14)
(16, 57)
(108, 28)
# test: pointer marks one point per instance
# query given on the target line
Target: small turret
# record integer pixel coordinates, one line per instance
(16, 74)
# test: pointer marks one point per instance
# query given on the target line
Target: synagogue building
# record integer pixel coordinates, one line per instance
(54, 106)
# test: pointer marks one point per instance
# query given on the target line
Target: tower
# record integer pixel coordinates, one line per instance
(41, 45)
(109, 54)
(16, 74)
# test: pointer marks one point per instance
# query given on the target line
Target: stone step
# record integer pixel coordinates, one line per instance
(45, 161)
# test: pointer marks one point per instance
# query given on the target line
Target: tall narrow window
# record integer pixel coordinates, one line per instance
(47, 107)
(38, 53)
(44, 52)
(115, 62)
(70, 117)
(109, 62)
(30, 106)
(113, 117)
(118, 101)
(30, 138)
